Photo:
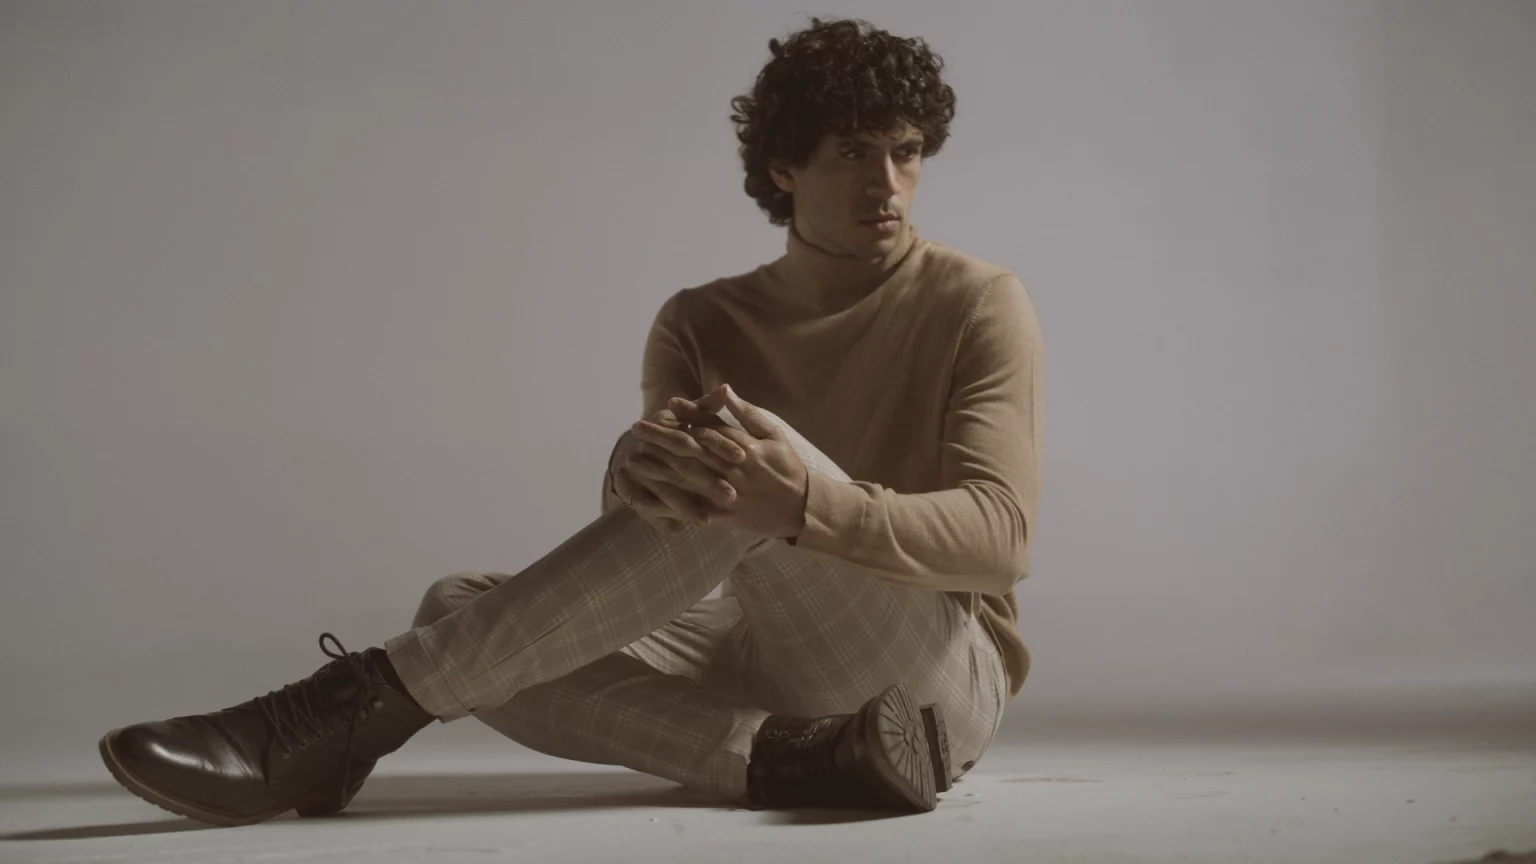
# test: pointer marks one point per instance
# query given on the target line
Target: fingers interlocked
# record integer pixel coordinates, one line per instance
(670, 477)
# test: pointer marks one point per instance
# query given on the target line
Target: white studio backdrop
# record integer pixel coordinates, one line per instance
(304, 305)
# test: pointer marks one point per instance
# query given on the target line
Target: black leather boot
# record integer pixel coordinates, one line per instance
(307, 747)
(889, 755)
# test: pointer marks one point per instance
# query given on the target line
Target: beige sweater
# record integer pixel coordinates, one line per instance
(921, 376)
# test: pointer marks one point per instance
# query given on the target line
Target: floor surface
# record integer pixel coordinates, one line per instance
(474, 798)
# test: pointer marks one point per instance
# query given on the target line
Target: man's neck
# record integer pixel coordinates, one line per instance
(827, 282)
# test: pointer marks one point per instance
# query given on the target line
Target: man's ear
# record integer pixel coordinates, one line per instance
(781, 177)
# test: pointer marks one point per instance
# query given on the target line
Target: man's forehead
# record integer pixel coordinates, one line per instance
(898, 136)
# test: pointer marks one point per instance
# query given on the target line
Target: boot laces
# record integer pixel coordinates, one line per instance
(815, 749)
(302, 712)
(802, 764)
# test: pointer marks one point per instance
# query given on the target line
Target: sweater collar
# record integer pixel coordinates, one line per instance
(825, 281)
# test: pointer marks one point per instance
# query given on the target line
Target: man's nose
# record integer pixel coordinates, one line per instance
(884, 183)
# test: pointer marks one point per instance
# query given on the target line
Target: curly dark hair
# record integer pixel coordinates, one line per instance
(835, 77)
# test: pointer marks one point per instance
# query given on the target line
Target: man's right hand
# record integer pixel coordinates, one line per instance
(674, 488)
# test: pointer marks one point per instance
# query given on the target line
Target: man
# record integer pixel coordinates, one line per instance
(865, 644)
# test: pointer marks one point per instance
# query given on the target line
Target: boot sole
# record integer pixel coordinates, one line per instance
(316, 806)
(897, 737)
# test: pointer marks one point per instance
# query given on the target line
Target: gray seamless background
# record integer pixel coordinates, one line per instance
(303, 305)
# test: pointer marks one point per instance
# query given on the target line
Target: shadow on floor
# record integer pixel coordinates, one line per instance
(1504, 857)
(121, 829)
(415, 795)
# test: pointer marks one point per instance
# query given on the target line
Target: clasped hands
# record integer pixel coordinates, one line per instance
(686, 466)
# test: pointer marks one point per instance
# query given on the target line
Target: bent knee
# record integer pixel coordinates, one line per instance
(450, 592)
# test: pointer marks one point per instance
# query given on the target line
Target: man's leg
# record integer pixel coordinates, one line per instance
(669, 704)
(308, 745)
(820, 636)
(613, 582)
(823, 633)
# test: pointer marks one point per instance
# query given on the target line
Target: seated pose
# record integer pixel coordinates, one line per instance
(864, 642)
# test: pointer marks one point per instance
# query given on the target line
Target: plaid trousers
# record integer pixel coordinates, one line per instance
(609, 650)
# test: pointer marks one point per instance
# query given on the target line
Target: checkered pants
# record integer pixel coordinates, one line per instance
(603, 651)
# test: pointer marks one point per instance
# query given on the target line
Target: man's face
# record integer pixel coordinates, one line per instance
(851, 179)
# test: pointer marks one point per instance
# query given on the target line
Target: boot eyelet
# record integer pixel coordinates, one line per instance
(378, 703)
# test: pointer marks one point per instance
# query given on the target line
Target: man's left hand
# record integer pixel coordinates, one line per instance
(770, 482)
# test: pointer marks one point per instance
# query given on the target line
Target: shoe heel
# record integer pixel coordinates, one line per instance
(938, 745)
(323, 803)
(320, 804)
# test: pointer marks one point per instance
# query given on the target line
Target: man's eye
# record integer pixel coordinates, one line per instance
(903, 154)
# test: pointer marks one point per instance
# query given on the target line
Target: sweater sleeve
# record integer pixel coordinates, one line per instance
(975, 533)
(664, 372)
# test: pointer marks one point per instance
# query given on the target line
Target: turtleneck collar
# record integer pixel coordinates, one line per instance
(817, 279)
